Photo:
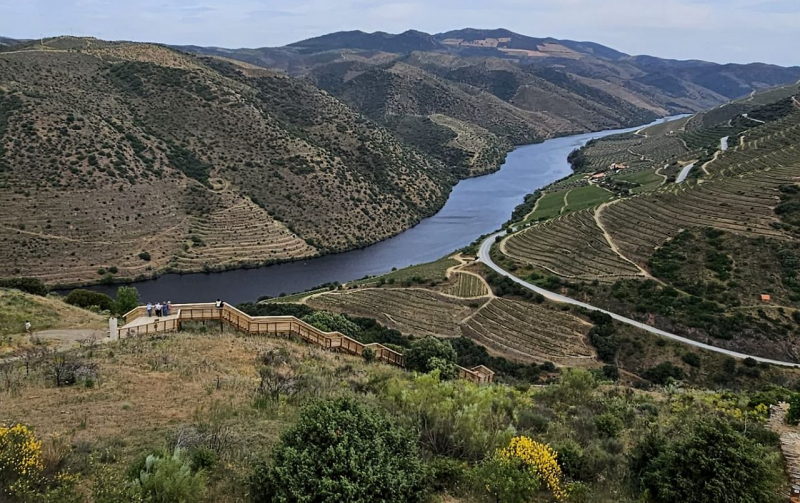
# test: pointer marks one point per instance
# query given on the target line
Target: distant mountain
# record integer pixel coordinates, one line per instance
(10, 41)
(503, 87)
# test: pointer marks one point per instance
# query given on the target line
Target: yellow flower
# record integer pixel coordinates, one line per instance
(540, 458)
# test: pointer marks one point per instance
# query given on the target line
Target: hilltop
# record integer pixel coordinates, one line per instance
(125, 159)
(467, 96)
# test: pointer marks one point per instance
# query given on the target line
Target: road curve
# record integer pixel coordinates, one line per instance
(485, 258)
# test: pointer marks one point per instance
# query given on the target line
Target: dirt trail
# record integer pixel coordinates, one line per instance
(790, 444)
(564, 206)
(610, 241)
(535, 207)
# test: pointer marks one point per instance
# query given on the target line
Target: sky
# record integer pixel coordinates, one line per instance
(724, 31)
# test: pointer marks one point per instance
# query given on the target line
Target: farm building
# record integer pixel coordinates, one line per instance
(765, 297)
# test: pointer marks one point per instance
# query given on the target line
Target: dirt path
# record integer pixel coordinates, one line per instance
(610, 241)
(790, 443)
(662, 175)
(535, 207)
(565, 204)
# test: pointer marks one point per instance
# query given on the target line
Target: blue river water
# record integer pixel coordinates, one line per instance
(476, 206)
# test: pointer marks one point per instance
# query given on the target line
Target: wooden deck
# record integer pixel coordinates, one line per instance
(137, 323)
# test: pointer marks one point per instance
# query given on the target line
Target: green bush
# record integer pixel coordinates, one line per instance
(331, 322)
(692, 359)
(145, 256)
(710, 462)
(169, 479)
(793, 416)
(608, 425)
(663, 373)
(368, 354)
(503, 480)
(341, 451)
(29, 285)
(127, 299)
(429, 354)
(88, 298)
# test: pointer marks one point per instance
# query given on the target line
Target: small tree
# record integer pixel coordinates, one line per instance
(429, 354)
(331, 322)
(169, 479)
(502, 480)
(341, 451)
(710, 462)
(127, 299)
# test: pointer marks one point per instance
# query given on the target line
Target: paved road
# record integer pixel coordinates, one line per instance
(723, 143)
(483, 256)
(684, 173)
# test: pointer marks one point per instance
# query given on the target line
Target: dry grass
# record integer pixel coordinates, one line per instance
(43, 312)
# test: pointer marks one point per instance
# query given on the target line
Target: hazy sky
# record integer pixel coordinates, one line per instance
(715, 30)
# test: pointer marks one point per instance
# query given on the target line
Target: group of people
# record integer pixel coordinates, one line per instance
(160, 309)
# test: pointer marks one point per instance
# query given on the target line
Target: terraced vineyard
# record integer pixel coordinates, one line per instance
(412, 311)
(531, 332)
(240, 234)
(466, 286)
(570, 246)
(737, 196)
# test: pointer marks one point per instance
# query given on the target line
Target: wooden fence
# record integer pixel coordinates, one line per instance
(271, 325)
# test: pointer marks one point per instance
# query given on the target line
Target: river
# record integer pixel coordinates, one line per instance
(475, 207)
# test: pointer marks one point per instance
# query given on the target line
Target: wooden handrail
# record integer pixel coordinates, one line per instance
(276, 325)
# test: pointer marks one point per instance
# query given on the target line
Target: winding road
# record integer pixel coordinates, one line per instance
(485, 258)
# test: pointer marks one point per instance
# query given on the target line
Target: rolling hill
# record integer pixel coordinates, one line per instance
(124, 159)
(439, 92)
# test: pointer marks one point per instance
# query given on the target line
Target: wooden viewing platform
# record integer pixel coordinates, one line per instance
(137, 323)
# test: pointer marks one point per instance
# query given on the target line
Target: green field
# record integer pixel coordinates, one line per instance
(549, 206)
(647, 179)
(586, 197)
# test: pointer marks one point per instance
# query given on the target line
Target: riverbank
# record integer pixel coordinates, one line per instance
(476, 206)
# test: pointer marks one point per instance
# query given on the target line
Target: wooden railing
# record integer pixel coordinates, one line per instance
(272, 325)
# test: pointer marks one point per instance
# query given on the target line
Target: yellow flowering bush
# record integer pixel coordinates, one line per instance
(21, 460)
(539, 458)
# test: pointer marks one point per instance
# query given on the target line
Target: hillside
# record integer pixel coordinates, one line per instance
(505, 87)
(124, 159)
(218, 416)
(689, 226)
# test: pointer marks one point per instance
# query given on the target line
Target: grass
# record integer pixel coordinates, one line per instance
(586, 197)
(429, 272)
(549, 206)
(43, 312)
(159, 387)
(647, 180)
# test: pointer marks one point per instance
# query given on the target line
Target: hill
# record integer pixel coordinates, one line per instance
(212, 416)
(664, 225)
(436, 92)
(128, 159)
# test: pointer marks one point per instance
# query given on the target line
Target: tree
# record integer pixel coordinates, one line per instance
(89, 299)
(331, 322)
(33, 286)
(504, 480)
(429, 354)
(710, 462)
(341, 451)
(127, 299)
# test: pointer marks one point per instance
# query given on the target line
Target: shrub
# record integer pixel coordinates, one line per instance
(663, 373)
(353, 452)
(368, 354)
(29, 285)
(145, 256)
(608, 425)
(692, 359)
(169, 479)
(88, 299)
(127, 299)
(429, 354)
(708, 463)
(21, 461)
(539, 458)
(446, 474)
(506, 480)
(331, 322)
(793, 416)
